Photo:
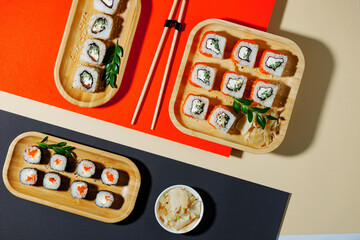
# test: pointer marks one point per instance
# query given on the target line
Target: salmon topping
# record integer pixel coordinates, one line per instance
(57, 161)
(87, 168)
(52, 180)
(33, 152)
(107, 198)
(110, 176)
(31, 178)
(81, 189)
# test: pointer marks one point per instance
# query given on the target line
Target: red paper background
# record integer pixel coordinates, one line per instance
(31, 33)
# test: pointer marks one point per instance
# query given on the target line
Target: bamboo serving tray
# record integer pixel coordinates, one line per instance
(68, 59)
(125, 192)
(285, 98)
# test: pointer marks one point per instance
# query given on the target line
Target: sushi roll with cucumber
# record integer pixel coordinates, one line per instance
(110, 176)
(196, 106)
(263, 92)
(233, 84)
(93, 52)
(86, 79)
(104, 199)
(202, 76)
(52, 181)
(272, 62)
(32, 154)
(212, 45)
(28, 176)
(106, 6)
(86, 169)
(79, 189)
(58, 162)
(100, 26)
(221, 118)
(245, 52)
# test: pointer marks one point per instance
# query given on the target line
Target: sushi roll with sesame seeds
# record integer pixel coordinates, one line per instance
(52, 181)
(28, 176)
(104, 199)
(32, 154)
(212, 45)
(79, 189)
(86, 79)
(100, 26)
(263, 92)
(58, 162)
(221, 118)
(272, 62)
(106, 6)
(110, 176)
(233, 84)
(202, 76)
(86, 169)
(245, 52)
(196, 106)
(93, 52)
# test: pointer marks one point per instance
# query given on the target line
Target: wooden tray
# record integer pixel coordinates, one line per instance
(125, 23)
(125, 191)
(233, 32)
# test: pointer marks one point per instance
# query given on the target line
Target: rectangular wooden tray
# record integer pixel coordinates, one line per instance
(234, 32)
(68, 59)
(125, 191)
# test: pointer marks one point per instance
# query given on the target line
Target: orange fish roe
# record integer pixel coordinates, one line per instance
(33, 152)
(110, 176)
(57, 161)
(81, 189)
(31, 178)
(52, 180)
(107, 198)
(87, 168)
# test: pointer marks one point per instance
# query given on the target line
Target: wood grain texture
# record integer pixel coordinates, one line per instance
(68, 60)
(285, 98)
(125, 192)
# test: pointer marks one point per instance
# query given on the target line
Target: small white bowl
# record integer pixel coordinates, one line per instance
(195, 193)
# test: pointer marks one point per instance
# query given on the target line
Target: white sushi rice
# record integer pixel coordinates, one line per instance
(85, 57)
(58, 162)
(106, 6)
(95, 74)
(261, 85)
(32, 154)
(104, 199)
(270, 59)
(189, 106)
(104, 34)
(213, 119)
(52, 181)
(198, 73)
(241, 50)
(110, 176)
(28, 176)
(79, 189)
(214, 44)
(231, 81)
(86, 169)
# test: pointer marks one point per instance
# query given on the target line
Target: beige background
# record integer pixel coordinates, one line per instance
(319, 160)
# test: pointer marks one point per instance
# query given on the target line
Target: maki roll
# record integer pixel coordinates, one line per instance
(110, 176)
(106, 6)
(233, 84)
(32, 154)
(52, 181)
(100, 26)
(272, 62)
(196, 106)
(263, 92)
(58, 162)
(86, 79)
(221, 119)
(104, 199)
(86, 169)
(202, 76)
(245, 52)
(93, 52)
(212, 45)
(79, 189)
(28, 176)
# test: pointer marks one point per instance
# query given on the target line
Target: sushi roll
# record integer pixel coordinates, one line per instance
(196, 106)
(233, 84)
(58, 162)
(245, 52)
(32, 154)
(221, 119)
(86, 79)
(100, 26)
(202, 76)
(104, 199)
(212, 45)
(263, 92)
(110, 176)
(79, 189)
(93, 52)
(86, 169)
(52, 181)
(272, 62)
(106, 6)
(28, 176)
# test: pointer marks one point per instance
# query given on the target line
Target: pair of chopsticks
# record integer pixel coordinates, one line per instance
(168, 24)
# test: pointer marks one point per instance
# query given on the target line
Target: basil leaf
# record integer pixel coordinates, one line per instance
(250, 116)
(260, 110)
(270, 117)
(236, 106)
(45, 139)
(244, 109)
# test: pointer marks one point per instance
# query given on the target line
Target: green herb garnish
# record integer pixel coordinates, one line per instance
(244, 105)
(60, 147)
(112, 61)
(275, 65)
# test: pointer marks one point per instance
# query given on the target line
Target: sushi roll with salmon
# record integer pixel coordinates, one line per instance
(263, 92)
(233, 84)
(202, 76)
(221, 118)
(86, 169)
(212, 45)
(52, 181)
(196, 106)
(86, 79)
(93, 52)
(106, 6)
(100, 26)
(110, 176)
(104, 199)
(32, 154)
(58, 162)
(272, 62)
(28, 176)
(79, 189)
(245, 52)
